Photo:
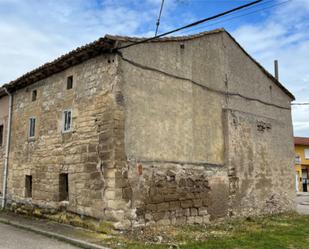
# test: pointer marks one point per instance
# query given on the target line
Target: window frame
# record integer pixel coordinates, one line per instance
(64, 121)
(29, 129)
(306, 153)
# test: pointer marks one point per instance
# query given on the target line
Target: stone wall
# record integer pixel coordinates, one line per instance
(86, 153)
(185, 154)
(259, 165)
(4, 110)
(177, 194)
(259, 138)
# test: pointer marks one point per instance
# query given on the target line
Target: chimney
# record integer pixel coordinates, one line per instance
(276, 69)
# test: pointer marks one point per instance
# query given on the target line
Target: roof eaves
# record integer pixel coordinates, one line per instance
(301, 140)
(65, 61)
(163, 39)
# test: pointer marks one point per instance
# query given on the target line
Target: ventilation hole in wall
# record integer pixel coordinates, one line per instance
(69, 82)
(34, 95)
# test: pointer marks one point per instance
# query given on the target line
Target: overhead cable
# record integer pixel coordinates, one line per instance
(190, 25)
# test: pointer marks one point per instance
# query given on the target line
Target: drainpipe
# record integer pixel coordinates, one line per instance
(6, 158)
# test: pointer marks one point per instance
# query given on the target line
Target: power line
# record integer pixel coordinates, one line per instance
(191, 24)
(250, 7)
(238, 16)
(305, 103)
(159, 18)
(231, 14)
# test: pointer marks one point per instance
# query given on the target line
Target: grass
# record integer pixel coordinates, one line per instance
(288, 231)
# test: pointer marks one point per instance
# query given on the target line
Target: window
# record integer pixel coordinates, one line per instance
(31, 127)
(33, 96)
(28, 186)
(307, 153)
(63, 187)
(297, 159)
(1, 135)
(70, 82)
(67, 120)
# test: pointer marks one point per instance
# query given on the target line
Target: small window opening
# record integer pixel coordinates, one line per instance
(1, 135)
(63, 187)
(67, 120)
(34, 95)
(28, 186)
(70, 82)
(31, 127)
(182, 46)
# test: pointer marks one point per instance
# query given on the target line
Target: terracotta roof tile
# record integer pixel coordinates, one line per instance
(301, 140)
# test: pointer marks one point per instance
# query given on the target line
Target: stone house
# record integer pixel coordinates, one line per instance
(174, 131)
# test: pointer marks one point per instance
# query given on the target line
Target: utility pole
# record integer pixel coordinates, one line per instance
(159, 18)
(276, 69)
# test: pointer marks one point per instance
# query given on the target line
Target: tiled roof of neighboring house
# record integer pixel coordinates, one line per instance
(105, 45)
(301, 140)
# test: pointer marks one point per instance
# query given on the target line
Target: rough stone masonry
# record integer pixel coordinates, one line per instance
(180, 130)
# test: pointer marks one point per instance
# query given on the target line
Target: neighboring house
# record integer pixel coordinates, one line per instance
(4, 111)
(302, 163)
(174, 131)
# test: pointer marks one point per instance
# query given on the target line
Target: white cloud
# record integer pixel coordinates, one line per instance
(284, 36)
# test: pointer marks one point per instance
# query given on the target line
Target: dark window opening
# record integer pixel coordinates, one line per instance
(70, 82)
(63, 187)
(34, 95)
(29, 186)
(1, 135)
(31, 127)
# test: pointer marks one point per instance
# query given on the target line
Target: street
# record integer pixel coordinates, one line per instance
(302, 203)
(15, 238)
